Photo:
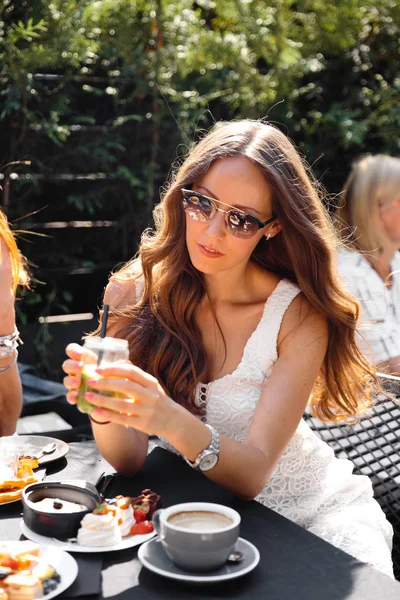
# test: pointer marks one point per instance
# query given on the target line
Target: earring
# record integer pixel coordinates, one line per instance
(268, 237)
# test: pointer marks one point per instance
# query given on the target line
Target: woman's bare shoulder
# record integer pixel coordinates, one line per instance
(123, 288)
(303, 319)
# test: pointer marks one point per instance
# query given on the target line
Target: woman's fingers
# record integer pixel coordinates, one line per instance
(119, 405)
(125, 387)
(72, 397)
(71, 367)
(74, 351)
(80, 354)
(72, 382)
(128, 371)
(144, 408)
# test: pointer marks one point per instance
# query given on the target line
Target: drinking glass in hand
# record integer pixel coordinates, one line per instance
(108, 351)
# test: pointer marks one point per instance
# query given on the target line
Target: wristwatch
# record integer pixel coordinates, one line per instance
(209, 457)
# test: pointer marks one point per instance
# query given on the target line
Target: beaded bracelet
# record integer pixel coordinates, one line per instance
(12, 363)
(99, 422)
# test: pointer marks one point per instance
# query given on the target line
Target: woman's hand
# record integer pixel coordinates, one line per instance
(144, 404)
(78, 357)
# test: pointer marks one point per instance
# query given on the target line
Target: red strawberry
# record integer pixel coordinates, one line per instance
(139, 515)
(142, 528)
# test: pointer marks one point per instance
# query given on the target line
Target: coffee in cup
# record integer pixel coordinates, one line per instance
(198, 536)
(201, 520)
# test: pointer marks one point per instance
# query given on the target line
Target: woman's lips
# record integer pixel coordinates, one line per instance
(209, 252)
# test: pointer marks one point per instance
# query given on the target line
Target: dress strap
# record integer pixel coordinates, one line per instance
(279, 301)
(268, 330)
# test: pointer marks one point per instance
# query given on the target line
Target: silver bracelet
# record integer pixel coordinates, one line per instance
(9, 343)
(10, 337)
(10, 366)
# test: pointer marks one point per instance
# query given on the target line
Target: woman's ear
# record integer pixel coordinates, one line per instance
(273, 230)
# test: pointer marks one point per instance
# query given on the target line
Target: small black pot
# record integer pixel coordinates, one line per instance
(58, 525)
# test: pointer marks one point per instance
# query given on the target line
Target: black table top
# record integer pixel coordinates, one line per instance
(295, 564)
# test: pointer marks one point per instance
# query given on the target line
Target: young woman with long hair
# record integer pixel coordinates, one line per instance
(368, 220)
(236, 320)
(12, 273)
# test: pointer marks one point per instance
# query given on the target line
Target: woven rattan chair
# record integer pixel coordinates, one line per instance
(373, 445)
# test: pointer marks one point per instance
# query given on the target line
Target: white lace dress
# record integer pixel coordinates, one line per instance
(309, 485)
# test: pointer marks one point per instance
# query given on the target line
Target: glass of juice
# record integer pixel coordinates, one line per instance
(108, 351)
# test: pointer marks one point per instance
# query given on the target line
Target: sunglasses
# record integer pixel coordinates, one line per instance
(240, 223)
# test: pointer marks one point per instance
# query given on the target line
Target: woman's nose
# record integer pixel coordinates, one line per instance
(216, 225)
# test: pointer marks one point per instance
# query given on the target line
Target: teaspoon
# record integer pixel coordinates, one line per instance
(47, 449)
(235, 556)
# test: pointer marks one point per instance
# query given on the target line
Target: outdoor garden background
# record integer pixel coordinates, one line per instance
(101, 96)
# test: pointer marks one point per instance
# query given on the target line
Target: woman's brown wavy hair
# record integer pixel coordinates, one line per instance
(163, 335)
(18, 267)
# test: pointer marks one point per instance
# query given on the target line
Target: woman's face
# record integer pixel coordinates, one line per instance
(390, 216)
(237, 182)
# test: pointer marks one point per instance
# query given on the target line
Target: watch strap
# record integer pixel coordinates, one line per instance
(212, 448)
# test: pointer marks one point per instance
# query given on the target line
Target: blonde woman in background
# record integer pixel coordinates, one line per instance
(369, 222)
(12, 273)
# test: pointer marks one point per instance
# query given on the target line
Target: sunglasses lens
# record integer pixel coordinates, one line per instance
(197, 207)
(201, 208)
(241, 225)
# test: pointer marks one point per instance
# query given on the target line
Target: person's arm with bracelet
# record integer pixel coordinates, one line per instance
(10, 384)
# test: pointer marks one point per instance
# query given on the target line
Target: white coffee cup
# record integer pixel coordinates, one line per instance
(198, 536)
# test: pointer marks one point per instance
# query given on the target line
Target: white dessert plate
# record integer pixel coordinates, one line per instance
(31, 445)
(127, 542)
(152, 556)
(65, 565)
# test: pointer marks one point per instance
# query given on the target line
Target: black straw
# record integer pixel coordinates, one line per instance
(103, 332)
(104, 322)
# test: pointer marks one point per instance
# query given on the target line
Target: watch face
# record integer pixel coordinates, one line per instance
(208, 462)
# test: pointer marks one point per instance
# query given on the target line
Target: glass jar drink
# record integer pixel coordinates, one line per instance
(108, 351)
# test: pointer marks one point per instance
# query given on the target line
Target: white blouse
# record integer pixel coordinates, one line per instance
(380, 316)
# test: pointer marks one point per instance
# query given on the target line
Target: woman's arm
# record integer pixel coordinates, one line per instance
(10, 384)
(124, 448)
(243, 468)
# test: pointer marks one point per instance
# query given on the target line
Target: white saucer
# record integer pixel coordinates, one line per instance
(153, 557)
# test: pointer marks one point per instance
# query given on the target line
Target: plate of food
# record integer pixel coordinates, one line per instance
(11, 488)
(73, 546)
(115, 524)
(28, 570)
(33, 445)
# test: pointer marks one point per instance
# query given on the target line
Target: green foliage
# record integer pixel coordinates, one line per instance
(103, 95)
